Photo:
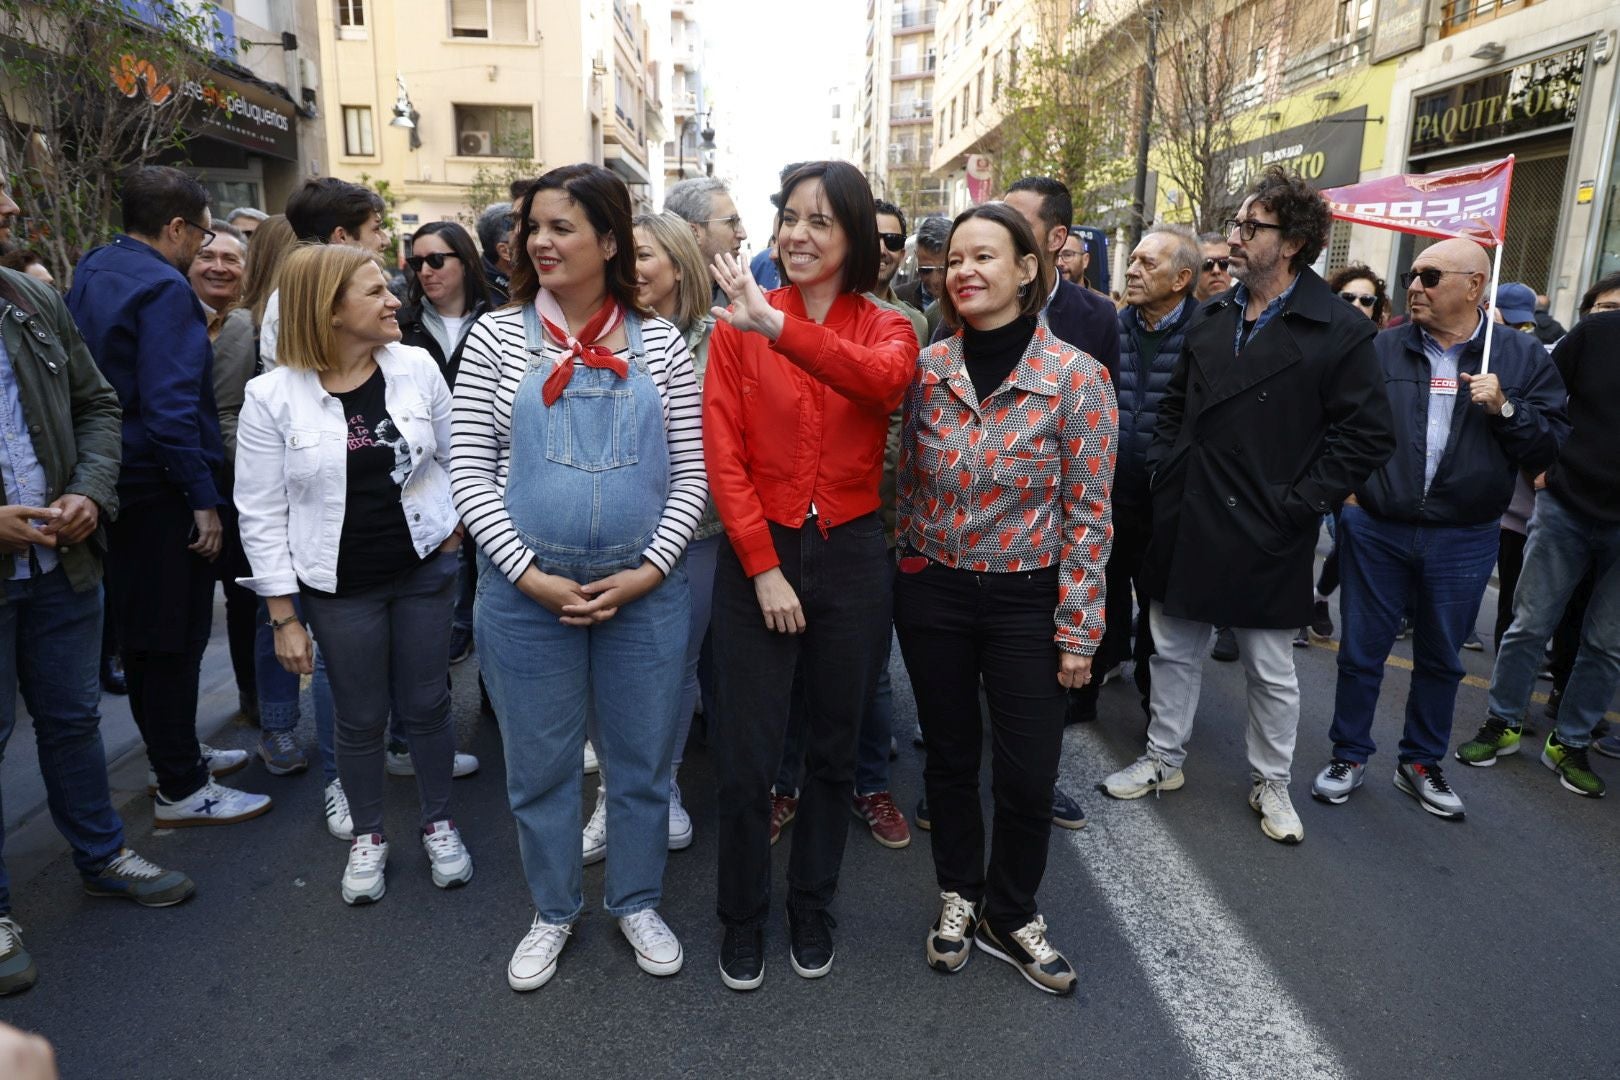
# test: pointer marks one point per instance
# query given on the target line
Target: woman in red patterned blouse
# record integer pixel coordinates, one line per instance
(1007, 458)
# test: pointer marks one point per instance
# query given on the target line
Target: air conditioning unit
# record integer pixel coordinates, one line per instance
(477, 144)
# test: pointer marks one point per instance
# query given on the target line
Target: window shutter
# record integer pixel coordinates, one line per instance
(509, 20)
(469, 18)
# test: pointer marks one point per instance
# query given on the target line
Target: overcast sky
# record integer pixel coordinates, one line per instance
(769, 67)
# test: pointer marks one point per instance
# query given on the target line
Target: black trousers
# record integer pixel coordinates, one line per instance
(1509, 562)
(163, 600)
(1133, 528)
(957, 628)
(241, 605)
(843, 583)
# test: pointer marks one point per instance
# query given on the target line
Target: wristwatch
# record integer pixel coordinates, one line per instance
(1507, 409)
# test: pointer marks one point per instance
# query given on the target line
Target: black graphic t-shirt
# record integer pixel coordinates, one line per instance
(376, 542)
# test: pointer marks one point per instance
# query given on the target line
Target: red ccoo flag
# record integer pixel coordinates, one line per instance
(1471, 201)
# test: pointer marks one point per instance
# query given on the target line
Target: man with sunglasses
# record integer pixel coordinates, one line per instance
(1421, 532)
(1213, 276)
(1275, 411)
(145, 328)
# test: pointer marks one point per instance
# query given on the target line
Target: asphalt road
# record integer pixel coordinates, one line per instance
(1390, 943)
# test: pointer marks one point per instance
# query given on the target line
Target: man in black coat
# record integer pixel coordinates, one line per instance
(1275, 412)
(1421, 533)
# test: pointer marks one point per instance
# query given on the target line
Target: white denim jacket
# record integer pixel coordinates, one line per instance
(292, 468)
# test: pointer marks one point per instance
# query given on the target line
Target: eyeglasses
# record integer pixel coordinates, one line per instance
(1067, 255)
(894, 241)
(435, 260)
(208, 234)
(1248, 227)
(1429, 275)
(1603, 305)
(729, 222)
(1210, 264)
(1366, 300)
(930, 269)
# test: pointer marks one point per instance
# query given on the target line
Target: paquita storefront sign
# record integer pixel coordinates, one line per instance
(1536, 95)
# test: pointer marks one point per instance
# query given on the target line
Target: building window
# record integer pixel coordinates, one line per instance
(351, 18)
(1354, 18)
(1458, 15)
(494, 131)
(494, 20)
(978, 94)
(357, 131)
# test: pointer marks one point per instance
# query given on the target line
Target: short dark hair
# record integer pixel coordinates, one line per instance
(1303, 214)
(475, 286)
(154, 195)
(1606, 283)
(1023, 242)
(782, 177)
(1363, 272)
(326, 204)
(933, 232)
(494, 224)
(883, 206)
(21, 259)
(606, 202)
(518, 188)
(850, 197)
(1057, 207)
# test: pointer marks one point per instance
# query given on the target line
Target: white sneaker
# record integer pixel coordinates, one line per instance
(339, 822)
(219, 763)
(451, 862)
(591, 763)
(1270, 800)
(1147, 773)
(680, 822)
(363, 880)
(400, 764)
(593, 840)
(657, 951)
(534, 961)
(211, 804)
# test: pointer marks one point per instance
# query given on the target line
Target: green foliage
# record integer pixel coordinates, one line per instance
(390, 220)
(493, 184)
(87, 93)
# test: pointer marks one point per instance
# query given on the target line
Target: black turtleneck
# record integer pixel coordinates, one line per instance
(991, 355)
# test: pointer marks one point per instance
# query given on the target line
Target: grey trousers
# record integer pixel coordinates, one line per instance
(1178, 669)
(388, 648)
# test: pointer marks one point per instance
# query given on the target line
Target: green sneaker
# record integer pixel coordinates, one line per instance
(1569, 762)
(1494, 740)
(17, 970)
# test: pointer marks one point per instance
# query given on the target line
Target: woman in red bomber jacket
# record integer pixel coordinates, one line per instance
(796, 405)
(1006, 461)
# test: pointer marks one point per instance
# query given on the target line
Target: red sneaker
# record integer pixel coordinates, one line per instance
(887, 823)
(783, 807)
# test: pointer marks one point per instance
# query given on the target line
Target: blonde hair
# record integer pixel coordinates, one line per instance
(265, 253)
(312, 281)
(692, 295)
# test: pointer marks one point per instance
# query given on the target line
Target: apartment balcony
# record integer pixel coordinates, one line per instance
(915, 69)
(914, 17)
(911, 112)
(623, 150)
(685, 103)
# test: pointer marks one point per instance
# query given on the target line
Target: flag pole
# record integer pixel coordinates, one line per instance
(1490, 320)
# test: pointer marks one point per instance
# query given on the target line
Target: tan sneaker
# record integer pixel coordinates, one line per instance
(1028, 950)
(950, 940)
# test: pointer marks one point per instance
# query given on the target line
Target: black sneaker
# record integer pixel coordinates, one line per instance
(1321, 620)
(1302, 640)
(1226, 646)
(1082, 705)
(742, 957)
(461, 643)
(1066, 811)
(924, 821)
(810, 943)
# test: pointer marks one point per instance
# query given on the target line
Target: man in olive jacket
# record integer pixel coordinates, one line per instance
(59, 455)
(1275, 411)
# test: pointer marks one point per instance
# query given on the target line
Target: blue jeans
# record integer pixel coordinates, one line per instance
(279, 692)
(700, 558)
(1562, 546)
(1386, 567)
(50, 646)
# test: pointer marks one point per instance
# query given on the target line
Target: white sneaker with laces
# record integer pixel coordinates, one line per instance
(591, 762)
(657, 951)
(1147, 773)
(1270, 800)
(211, 804)
(400, 764)
(363, 880)
(534, 961)
(593, 840)
(339, 822)
(219, 762)
(452, 863)
(680, 822)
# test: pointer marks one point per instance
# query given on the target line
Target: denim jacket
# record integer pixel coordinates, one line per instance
(292, 468)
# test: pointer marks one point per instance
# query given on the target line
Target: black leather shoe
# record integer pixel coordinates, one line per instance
(112, 675)
(810, 943)
(742, 957)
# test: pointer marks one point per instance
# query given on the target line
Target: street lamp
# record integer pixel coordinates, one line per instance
(402, 106)
(706, 146)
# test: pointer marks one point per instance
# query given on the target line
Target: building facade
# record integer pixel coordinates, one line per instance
(893, 136)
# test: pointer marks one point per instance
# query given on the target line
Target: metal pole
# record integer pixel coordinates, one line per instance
(1139, 187)
(1490, 322)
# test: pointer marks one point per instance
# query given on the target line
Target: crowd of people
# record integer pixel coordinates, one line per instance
(645, 480)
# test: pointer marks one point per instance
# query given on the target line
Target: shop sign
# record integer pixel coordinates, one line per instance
(225, 108)
(1533, 96)
(1398, 28)
(1324, 153)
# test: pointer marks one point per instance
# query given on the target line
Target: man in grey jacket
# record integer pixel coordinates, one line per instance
(59, 457)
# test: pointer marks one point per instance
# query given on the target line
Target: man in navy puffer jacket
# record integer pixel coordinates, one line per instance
(1158, 309)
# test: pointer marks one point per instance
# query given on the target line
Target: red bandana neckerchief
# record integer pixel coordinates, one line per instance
(583, 348)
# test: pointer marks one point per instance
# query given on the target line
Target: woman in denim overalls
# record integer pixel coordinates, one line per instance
(578, 467)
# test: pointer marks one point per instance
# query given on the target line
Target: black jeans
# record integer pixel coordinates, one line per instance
(163, 601)
(957, 627)
(1133, 528)
(241, 605)
(843, 585)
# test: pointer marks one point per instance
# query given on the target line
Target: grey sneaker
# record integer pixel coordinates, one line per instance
(17, 969)
(1147, 773)
(1335, 782)
(1426, 784)
(281, 754)
(1269, 799)
(127, 874)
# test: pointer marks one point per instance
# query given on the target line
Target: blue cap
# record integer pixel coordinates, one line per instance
(1517, 303)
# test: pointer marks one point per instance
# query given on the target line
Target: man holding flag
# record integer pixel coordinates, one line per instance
(1421, 532)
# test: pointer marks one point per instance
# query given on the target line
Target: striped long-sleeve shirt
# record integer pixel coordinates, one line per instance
(493, 363)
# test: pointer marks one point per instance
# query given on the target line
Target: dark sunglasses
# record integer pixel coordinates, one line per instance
(894, 241)
(435, 260)
(1366, 300)
(1429, 275)
(1210, 264)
